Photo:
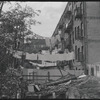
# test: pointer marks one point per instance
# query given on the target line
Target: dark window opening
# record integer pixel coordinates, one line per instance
(92, 71)
(73, 37)
(76, 68)
(78, 32)
(82, 53)
(97, 68)
(82, 29)
(76, 52)
(75, 32)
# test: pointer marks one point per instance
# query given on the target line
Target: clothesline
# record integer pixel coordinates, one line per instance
(47, 57)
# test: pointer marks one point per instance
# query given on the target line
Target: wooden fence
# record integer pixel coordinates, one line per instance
(39, 78)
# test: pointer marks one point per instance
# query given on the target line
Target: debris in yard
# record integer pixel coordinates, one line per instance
(87, 87)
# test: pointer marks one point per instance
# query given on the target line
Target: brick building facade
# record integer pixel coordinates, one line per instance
(79, 31)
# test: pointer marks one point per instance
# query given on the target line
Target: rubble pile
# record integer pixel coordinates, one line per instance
(57, 89)
(91, 88)
(59, 86)
(79, 81)
(85, 87)
(71, 87)
(62, 80)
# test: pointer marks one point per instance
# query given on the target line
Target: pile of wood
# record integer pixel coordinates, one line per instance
(59, 86)
(62, 80)
(56, 89)
(87, 87)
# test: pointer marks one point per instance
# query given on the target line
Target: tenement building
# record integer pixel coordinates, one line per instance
(78, 30)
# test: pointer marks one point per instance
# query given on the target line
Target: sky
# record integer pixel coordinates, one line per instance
(49, 16)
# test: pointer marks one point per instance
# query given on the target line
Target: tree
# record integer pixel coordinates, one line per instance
(16, 24)
(10, 83)
(18, 18)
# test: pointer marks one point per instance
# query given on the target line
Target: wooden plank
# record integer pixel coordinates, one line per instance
(41, 75)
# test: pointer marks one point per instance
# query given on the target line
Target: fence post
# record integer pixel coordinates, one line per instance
(48, 76)
(53, 95)
(66, 95)
(33, 76)
(39, 96)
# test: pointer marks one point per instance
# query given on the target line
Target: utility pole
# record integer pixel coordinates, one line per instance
(15, 38)
(23, 53)
(15, 44)
(16, 41)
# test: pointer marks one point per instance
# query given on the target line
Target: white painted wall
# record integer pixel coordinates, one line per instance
(96, 71)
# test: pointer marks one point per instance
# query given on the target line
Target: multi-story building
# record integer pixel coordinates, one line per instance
(61, 38)
(35, 46)
(78, 34)
(60, 33)
(79, 29)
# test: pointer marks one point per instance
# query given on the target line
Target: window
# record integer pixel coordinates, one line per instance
(82, 53)
(78, 32)
(92, 71)
(78, 13)
(82, 29)
(73, 37)
(76, 52)
(30, 76)
(81, 56)
(81, 7)
(76, 68)
(75, 11)
(75, 32)
(97, 68)
(70, 38)
(69, 3)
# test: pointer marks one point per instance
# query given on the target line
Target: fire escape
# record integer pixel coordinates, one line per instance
(61, 38)
(78, 13)
(68, 15)
(68, 31)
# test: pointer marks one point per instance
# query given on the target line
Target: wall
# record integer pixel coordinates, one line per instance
(96, 70)
(53, 71)
(52, 41)
(93, 24)
(93, 31)
(47, 40)
(93, 52)
(77, 42)
(25, 72)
